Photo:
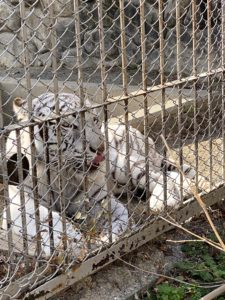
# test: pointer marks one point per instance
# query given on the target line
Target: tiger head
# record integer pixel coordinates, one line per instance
(70, 136)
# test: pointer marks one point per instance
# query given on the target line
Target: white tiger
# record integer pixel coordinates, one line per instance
(96, 200)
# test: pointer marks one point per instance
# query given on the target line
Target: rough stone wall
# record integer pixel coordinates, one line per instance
(39, 45)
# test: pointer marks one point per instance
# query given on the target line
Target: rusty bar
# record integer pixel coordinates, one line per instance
(22, 198)
(194, 73)
(105, 109)
(180, 96)
(53, 40)
(223, 82)
(26, 62)
(82, 104)
(49, 191)
(163, 93)
(5, 182)
(209, 61)
(118, 99)
(144, 86)
(126, 102)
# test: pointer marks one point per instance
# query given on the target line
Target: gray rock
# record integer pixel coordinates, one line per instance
(91, 43)
(153, 61)
(27, 2)
(89, 15)
(69, 60)
(62, 8)
(37, 28)
(11, 49)
(170, 11)
(65, 30)
(133, 53)
(9, 17)
(132, 20)
(44, 59)
(186, 54)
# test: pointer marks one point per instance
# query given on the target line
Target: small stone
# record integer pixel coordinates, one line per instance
(65, 30)
(133, 53)
(37, 28)
(11, 51)
(170, 11)
(69, 58)
(92, 47)
(44, 59)
(9, 17)
(61, 8)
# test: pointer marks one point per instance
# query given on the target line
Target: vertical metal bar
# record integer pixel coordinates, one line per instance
(179, 110)
(5, 182)
(209, 60)
(53, 40)
(163, 92)
(82, 100)
(194, 73)
(223, 82)
(49, 192)
(123, 48)
(144, 86)
(26, 62)
(125, 91)
(105, 109)
(22, 198)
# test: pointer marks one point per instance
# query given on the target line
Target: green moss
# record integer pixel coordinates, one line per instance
(200, 265)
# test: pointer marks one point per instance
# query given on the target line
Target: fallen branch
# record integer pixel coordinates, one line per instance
(185, 241)
(214, 294)
(208, 241)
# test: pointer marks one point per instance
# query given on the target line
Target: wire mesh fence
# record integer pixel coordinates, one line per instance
(110, 112)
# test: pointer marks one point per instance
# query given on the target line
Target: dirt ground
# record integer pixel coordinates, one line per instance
(203, 158)
(129, 278)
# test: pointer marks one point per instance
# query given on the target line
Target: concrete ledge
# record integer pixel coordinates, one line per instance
(11, 88)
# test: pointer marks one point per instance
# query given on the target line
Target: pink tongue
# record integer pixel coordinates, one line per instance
(98, 158)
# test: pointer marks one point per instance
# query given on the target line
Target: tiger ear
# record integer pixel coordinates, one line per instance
(18, 108)
(18, 102)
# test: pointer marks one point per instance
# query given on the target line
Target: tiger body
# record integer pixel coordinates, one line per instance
(86, 191)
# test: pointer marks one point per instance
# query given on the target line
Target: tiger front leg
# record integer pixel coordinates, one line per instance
(176, 190)
(119, 219)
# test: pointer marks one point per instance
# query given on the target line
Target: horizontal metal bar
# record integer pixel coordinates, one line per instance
(110, 101)
(128, 244)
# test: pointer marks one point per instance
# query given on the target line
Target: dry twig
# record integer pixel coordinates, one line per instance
(195, 193)
(214, 294)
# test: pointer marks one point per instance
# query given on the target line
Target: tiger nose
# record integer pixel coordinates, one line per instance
(101, 148)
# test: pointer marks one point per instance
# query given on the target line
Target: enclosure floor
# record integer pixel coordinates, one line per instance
(120, 281)
(131, 277)
(204, 159)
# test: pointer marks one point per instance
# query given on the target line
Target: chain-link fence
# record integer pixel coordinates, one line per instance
(111, 111)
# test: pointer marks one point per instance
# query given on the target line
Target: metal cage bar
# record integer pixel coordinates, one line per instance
(144, 81)
(105, 110)
(163, 96)
(26, 63)
(53, 42)
(209, 60)
(126, 103)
